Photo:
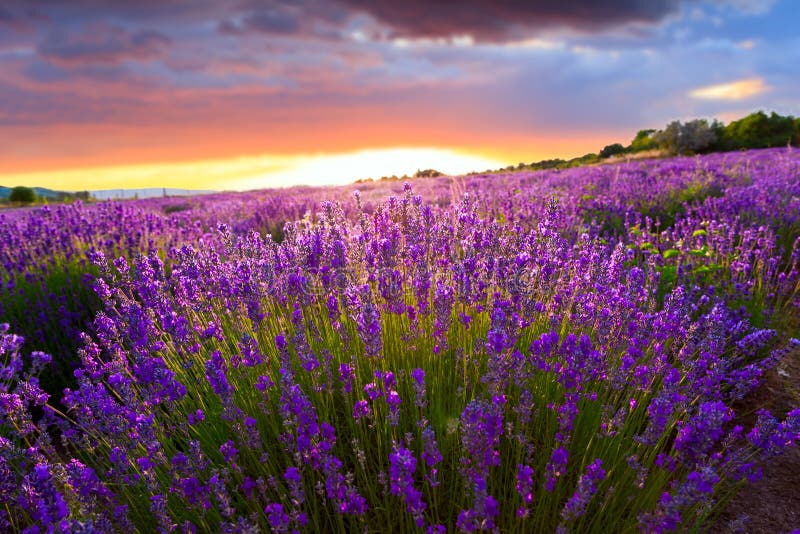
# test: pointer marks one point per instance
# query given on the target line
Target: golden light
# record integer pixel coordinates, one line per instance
(738, 90)
(325, 169)
(263, 171)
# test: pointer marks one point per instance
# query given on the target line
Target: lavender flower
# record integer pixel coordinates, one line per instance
(524, 487)
(402, 466)
(587, 487)
(556, 467)
(360, 409)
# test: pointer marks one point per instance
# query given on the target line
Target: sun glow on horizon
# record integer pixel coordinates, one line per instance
(337, 169)
(263, 171)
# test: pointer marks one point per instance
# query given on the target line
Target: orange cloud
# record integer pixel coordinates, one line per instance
(738, 90)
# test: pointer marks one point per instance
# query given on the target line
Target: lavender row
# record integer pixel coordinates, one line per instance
(522, 358)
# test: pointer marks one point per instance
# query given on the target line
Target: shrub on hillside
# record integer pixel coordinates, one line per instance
(686, 138)
(612, 150)
(22, 194)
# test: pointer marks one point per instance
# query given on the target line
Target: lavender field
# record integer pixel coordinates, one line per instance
(565, 351)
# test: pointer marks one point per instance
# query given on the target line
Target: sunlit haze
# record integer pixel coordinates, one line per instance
(263, 171)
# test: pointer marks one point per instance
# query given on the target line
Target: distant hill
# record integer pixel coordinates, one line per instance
(41, 192)
(149, 192)
(107, 194)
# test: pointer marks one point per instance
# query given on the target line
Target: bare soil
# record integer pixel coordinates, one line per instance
(771, 505)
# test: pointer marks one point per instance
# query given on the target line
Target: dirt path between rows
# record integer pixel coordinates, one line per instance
(771, 505)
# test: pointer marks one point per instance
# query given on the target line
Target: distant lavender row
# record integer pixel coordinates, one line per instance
(536, 352)
(760, 185)
(755, 181)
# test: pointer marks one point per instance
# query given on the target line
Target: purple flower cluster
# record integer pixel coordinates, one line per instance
(481, 430)
(524, 487)
(587, 487)
(311, 443)
(402, 466)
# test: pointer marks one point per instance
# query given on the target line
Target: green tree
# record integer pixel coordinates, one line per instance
(687, 138)
(22, 194)
(643, 141)
(612, 150)
(430, 173)
(759, 130)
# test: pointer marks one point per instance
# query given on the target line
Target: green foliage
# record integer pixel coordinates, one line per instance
(612, 150)
(427, 173)
(666, 210)
(49, 308)
(548, 164)
(759, 130)
(686, 138)
(589, 158)
(27, 195)
(176, 208)
(643, 141)
(22, 194)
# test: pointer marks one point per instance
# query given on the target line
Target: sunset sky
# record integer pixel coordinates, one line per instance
(215, 94)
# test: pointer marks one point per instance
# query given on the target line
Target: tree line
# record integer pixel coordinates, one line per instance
(757, 130)
(698, 136)
(28, 195)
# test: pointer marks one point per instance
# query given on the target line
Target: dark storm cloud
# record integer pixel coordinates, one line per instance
(495, 20)
(20, 18)
(268, 20)
(6, 17)
(102, 43)
(487, 20)
(67, 11)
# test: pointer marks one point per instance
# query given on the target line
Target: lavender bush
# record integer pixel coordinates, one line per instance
(536, 352)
